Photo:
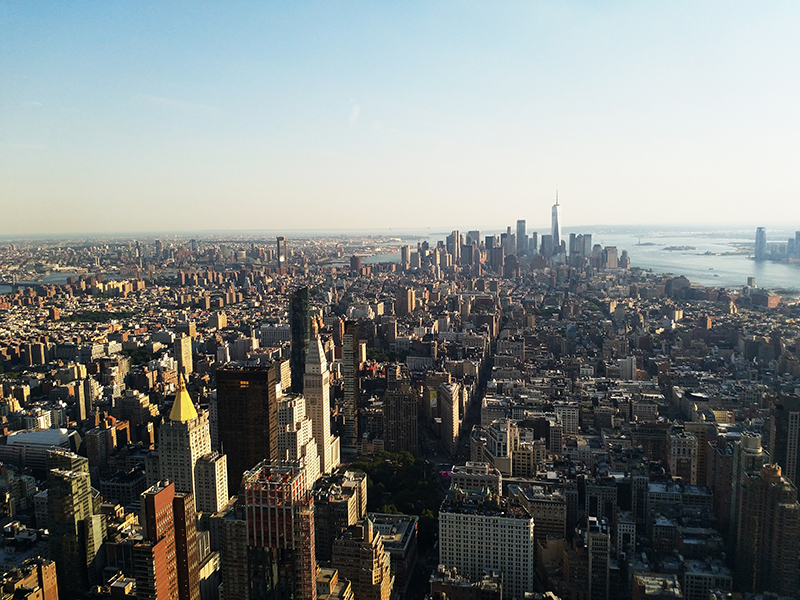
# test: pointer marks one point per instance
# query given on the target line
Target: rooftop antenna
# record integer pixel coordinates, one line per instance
(556, 197)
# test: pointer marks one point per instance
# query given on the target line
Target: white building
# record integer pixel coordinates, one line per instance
(317, 391)
(477, 536)
(296, 438)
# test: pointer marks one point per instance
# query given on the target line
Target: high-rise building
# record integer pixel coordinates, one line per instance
(352, 393)
(283, 254)
(405, 258)
(748, 457)
(479, 533)
(768, 533)
(317, 391)
(211, 482)
(449, 396)
(183, 354)
(247, 404)
(522, 237)
(34, 579)
(533, 243)
(400, 411)
(187, 557)
(598, 546)
(761, 244)
(361, 558)
(182, 439)
(295, 436)
(405, 302)
(300, 320)
(682, 455)
(340, 499)
(454, 246)
(279, 510)
(555, 226)
(77, 530)
(784, 436)
(166, 561)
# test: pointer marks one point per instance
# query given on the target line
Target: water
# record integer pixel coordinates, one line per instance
(713, 270)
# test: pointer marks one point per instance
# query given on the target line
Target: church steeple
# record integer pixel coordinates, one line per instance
(182, 408)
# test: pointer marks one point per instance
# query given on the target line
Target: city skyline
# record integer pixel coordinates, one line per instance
(140, 115)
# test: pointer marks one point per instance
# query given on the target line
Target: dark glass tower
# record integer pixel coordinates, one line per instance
(300, 322)
(247, 401)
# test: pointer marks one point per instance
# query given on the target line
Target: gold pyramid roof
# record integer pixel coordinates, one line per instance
(182, 408)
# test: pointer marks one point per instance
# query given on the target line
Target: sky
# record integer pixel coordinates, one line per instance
(191, 116)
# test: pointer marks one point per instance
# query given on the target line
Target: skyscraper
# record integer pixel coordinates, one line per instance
(77, 530)
(317, 390)
(748, 457)
(522, 237)
(182, 439)
(211, 482)
(768, 533)
(295, 437)
(183, 354)
(400, 411)
(247, 404)
(300, 320)
(361, 558)
(166, 561)
(784, 435)
(761, 244)
(555, 228)
(479, 533)
(352, 392)
(282, 255)
(279, 509)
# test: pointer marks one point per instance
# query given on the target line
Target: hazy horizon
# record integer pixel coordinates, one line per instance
(133, 117)
(775, 233)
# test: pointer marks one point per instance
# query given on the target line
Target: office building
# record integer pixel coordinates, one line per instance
(279, 511)
(449, 399)
(183, 354)
(166, 561)
(405, 258)
(352, 395)
(360, 557)
(682, 455)
(340, 499)
(748, 458)
(295, 437)
(555, 227)
(784, 436)
(522, 238)
(211, 482)
(761, 244)
(479, 534)
(477, 478)
(399, 536)
(768, 533)
(183, 438)
(77, 530)
(400, 411)
(35, 579)
(300, 319)
(247, 405)
(317, 392)
(282, 255)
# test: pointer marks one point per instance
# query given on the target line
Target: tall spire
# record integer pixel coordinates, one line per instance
(556, 197)
(182, 408)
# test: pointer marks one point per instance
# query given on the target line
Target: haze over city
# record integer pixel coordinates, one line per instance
(136, 117)
(399, 301)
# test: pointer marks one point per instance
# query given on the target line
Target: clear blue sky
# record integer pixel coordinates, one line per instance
(139, 116)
